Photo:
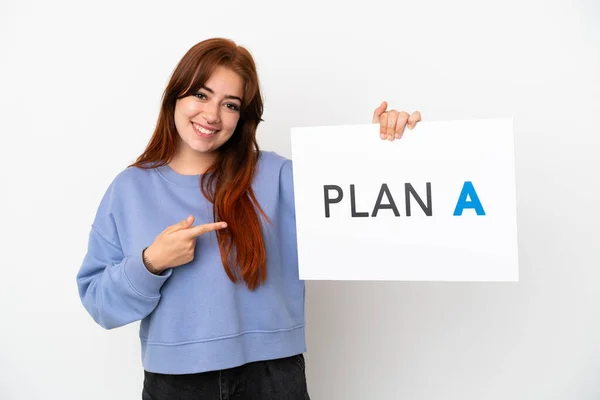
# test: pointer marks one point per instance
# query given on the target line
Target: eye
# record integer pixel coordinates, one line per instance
(233, 106)
(200, 95)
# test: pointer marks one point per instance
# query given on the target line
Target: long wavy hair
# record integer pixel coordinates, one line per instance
(227, 182)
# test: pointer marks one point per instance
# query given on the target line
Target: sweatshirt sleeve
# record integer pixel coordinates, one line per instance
(115, 289)
(286, 186)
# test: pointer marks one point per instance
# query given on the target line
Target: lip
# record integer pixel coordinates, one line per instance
(210, 128)
(207, 127)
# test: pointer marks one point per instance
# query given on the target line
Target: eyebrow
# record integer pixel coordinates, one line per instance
(226, 96)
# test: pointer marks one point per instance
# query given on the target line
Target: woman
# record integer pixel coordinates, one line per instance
(197, 240)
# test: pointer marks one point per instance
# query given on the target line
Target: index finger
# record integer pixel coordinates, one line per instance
(205, 228)
(379, 111)
(413, 119)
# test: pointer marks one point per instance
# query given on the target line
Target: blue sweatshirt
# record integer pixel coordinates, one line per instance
(193, 318)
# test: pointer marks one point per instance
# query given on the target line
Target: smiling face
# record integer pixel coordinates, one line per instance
(206, 119)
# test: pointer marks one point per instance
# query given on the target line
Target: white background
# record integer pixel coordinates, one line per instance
(417, 247)
(80, 86)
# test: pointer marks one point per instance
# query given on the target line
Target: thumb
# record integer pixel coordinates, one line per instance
(185, 223)
(378, 111)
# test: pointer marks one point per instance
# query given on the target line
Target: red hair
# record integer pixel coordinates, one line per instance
(227, 182)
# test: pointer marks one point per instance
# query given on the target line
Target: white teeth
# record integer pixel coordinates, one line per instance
(202, 130)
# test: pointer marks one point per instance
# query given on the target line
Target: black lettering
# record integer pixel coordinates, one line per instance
(353, 204)
(391, 205)
(408, 190)
(328, 200)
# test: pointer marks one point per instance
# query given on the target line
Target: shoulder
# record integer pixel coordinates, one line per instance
(270, 159)
(132, 177)
(133, 174)
(275, 171)
(125, 182)
(272, 165)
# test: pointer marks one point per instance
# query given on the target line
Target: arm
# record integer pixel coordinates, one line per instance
(286, 186)
(115, 289)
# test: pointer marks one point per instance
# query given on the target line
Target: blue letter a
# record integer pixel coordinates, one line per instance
(468, 191)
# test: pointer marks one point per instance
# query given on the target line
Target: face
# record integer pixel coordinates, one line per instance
(208, 118)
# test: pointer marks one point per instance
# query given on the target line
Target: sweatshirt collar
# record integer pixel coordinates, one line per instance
(174, 177)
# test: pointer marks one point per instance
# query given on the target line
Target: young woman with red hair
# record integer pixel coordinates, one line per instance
(197, 240)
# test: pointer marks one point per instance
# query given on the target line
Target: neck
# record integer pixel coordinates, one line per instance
(191, 162)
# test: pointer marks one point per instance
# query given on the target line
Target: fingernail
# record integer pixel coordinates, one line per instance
(223, 225)
(397, 135)
(382, 136)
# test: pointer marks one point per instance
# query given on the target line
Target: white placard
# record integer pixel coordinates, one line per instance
(354, 221)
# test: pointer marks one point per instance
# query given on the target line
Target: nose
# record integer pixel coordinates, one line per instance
(211, 113)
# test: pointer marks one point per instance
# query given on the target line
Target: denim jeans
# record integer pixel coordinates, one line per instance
(282, 378)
